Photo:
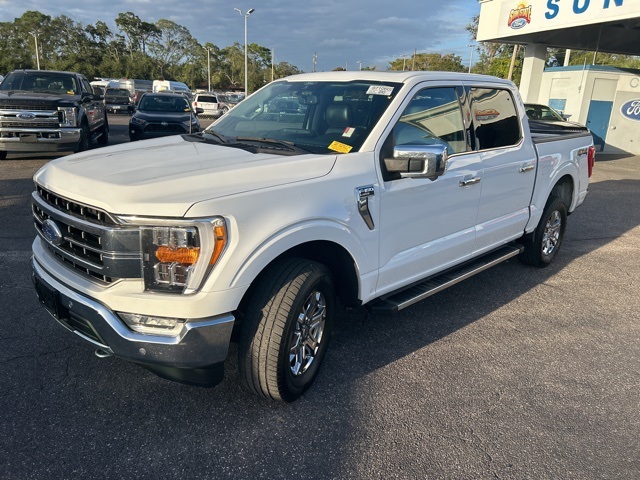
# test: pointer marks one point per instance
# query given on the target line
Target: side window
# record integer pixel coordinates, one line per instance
(86, 86)
(433, 117)
(495, 119)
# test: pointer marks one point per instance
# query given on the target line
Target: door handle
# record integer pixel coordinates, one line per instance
(526, 168)
(471, 181)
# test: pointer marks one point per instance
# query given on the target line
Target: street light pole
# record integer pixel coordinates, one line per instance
(246, 61)
(359, 65)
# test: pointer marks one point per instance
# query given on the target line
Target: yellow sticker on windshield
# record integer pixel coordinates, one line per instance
(340, 147)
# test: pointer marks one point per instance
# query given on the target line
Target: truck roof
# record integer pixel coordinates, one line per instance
(395, 76)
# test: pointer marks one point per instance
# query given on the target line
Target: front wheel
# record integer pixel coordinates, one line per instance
(3, 154)
(103, 138)
(541, 246)
(286, 329)
(85, 139)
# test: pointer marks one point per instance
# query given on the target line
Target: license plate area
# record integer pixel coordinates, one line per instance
(51, 300)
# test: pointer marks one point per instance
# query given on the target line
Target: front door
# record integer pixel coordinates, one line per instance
(428, 224)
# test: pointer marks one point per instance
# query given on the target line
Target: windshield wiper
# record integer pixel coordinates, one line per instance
(272, 143)
(217, 135)
(202, 137)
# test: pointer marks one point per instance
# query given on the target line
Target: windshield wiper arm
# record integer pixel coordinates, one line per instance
(221, 138)
(290, 146)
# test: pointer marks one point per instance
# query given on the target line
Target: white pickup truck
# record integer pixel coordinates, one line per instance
(341, 188)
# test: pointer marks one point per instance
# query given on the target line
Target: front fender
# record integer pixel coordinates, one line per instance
(292, 236)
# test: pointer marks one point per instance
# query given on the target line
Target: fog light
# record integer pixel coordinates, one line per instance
(168, 327)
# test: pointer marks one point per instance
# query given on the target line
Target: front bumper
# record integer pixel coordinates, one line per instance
(195, 356)
(39, 140)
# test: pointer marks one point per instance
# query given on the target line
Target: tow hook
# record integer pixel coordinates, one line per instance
(102, 354)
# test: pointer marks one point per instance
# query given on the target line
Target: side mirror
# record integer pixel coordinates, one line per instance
(418, 161)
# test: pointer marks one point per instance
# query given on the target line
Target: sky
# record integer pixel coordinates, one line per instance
(340, 33)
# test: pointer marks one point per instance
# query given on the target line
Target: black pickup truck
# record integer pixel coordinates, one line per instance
(48, 111)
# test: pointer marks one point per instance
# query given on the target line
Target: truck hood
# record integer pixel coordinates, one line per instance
(166, 176)
(36, 98)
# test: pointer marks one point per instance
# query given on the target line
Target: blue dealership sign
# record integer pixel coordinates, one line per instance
(631, 110)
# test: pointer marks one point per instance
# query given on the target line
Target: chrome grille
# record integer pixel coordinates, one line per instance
(74, 208)
(92, 242)
(27, 105)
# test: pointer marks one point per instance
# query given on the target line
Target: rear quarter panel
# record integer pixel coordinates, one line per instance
(558, 156)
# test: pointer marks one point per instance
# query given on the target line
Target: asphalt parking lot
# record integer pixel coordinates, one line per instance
(516, 373)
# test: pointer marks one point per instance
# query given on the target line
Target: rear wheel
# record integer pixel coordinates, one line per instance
(3, 154)
(286, 329)
(541, 246)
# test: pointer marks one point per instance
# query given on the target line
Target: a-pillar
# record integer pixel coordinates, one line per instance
(535, 57)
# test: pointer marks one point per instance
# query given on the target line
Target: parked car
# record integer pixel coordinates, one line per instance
(544, 119)
(209, 103)
(118, 100)
(161, 114)
(215, 104)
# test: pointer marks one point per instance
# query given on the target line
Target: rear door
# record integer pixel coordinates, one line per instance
(508, 166)
(94, 107)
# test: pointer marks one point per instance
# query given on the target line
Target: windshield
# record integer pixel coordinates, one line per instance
(318, 117)
(43, 82)
(542, 112)
(163, 103)
(117, 92)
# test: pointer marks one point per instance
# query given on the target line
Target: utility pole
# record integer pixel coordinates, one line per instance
(413, 64)
(315, 60)
(273, 62)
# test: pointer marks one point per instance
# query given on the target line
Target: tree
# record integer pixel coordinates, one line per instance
(137, 32)
(430, 61)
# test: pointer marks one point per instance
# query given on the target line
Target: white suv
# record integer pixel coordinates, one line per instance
(209, 103)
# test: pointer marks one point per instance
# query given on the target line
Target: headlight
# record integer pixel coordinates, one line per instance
(137, 121)
(177, 259)
(67, 116)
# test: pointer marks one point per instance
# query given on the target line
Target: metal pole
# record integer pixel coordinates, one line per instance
(209, 67)
(470, 58)
(273, 61)
(246, 62)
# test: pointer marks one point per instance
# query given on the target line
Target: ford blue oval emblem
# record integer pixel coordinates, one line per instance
(518, 23)
(631, 110)
(26, 116)
(51, 232)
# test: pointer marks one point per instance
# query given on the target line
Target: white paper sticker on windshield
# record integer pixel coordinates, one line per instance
(379, 90)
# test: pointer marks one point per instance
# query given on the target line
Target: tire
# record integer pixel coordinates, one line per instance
(3, 154)
(103, 139)
(294, 300)
(85, 139)
(542, 245)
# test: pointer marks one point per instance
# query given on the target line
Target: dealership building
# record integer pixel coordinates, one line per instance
(604, 98)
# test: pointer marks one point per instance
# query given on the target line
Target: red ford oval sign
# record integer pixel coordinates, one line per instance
(631, 110)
